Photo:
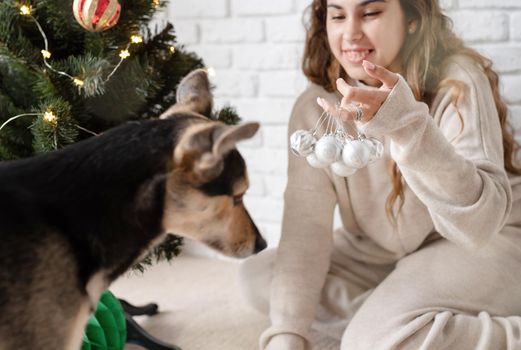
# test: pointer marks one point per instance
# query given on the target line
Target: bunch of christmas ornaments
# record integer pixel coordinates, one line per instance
(336, 148)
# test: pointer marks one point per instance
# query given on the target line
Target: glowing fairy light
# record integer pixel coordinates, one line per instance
(136, 39)
(78, 82)
(172, 49)
(46, 54)
(50, 118)
(25, 10)
(124, 54)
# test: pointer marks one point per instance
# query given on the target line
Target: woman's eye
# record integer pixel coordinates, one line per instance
(335, 16)
(371, 14)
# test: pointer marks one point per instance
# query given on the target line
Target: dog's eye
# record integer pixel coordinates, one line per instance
(237, 199)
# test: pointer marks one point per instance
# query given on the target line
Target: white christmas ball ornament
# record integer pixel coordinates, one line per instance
(356, 154)
(327, 149)
(315, 162)
(302, 142)
(376, 148)
(340, 169)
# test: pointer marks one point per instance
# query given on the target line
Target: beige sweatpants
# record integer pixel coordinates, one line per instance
(439, 297)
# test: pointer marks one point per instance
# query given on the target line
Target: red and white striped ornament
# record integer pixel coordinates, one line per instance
(96, 15)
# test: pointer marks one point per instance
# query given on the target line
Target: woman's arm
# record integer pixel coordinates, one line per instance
(459, 176)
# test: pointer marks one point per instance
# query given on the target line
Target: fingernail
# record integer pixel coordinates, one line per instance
(369, 65)
(320, 103)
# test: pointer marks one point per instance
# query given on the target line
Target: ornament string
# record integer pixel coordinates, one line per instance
(320, 121)
(336, 148)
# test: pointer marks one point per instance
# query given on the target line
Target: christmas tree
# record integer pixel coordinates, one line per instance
(73, 69)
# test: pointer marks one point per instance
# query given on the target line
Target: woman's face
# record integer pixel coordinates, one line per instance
(372, 30)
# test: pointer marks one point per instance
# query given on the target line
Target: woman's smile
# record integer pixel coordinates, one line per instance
(357, 55)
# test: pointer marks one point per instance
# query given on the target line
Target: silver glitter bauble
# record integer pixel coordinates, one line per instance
(302, 142)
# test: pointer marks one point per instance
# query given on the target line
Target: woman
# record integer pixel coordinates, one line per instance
(429, 252)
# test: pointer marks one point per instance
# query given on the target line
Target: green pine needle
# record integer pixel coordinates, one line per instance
(52, 135)
(227, 115)
(166, 251)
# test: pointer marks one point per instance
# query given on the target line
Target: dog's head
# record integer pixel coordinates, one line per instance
(209, 179)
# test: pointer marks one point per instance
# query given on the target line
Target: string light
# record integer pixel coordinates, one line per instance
(172, 49)
(25, 10)
(136, 39)
(16, 117)
(155, 3)
(46, 54)
(50, 118)
(78, 82)
(124, 54)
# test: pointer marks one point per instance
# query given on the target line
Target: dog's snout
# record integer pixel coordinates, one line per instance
(260, 243)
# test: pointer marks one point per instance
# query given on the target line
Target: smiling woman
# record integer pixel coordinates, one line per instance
(432, 230)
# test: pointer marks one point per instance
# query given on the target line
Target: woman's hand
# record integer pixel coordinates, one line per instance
(361, 104)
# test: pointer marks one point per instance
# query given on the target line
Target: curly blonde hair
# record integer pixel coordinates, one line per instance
(423, 57)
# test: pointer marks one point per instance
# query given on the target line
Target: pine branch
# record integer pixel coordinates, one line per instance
(15, 141)
(14, 31)
(166, 251)
(54, 134)
(90, 69)
(227, 115)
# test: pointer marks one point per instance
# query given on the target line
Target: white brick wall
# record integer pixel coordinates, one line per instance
(255, 47)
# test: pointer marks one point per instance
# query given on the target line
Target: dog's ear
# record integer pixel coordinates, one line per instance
(201, 150)
(193, 95)
(228, 136)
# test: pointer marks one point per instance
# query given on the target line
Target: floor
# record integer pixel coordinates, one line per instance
(200, 305)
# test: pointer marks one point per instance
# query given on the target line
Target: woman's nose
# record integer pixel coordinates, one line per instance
(352, 31)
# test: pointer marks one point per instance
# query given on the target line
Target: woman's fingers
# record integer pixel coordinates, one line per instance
(342, 86)
(388, 78)
(355, 94)
(361, 104)
(326, 106)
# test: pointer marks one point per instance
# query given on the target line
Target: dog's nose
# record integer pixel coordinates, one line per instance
(260, 243)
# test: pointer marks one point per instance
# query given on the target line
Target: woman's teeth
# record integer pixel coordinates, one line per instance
(357, 56)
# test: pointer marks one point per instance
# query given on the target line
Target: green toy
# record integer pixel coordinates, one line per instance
(106, 328)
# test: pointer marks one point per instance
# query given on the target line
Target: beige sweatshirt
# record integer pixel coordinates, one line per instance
(456, 188)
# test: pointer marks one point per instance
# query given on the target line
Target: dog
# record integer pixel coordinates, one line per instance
(73, 220)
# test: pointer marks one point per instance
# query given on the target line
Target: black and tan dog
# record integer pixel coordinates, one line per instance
(73, 220)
